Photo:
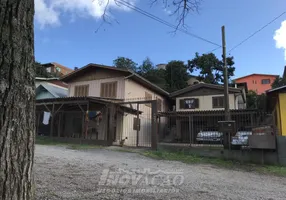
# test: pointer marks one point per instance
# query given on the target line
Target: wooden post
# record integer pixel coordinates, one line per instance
(251, 120)
(52, 121)
(87, 122)
(83, 124)
(137, 126)
(190, 129)
(38, 115)
(59, 124)
(154, 137)
(226, 97)
(111, 124)
(159, 128)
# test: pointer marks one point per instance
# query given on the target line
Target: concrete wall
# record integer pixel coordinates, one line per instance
(94, 86)
(281, 148)
(248, 156)
(205, 103)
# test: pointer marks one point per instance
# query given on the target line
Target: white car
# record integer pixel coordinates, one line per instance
(241, 138)
(209, 137)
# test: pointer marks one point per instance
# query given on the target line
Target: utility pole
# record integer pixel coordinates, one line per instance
(226, 96)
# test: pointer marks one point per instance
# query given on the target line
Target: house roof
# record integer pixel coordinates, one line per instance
(128, 75)
(56, 91)
(46, 79)
(52, 80)
(58, 65)
(272, 75)
(202, 85)
(276, 89)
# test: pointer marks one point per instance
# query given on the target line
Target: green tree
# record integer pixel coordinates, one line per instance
(279, 81)
(176, 76)
(210, 68)
(17, 94)
(41, 71)
(125, 63)
(146, 66)
(149, 72)
(255, 101)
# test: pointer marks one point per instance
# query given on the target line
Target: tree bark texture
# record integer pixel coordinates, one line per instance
(17, 99)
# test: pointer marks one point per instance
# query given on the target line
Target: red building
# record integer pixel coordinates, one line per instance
(259, 83)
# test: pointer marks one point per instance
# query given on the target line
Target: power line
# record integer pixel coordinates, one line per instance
(147, 14)
(211, 51)
(243, 41)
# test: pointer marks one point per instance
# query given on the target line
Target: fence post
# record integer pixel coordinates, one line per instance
(154, 137)
(52, 121)
(190, 129)
(111, 124)
(137, 126)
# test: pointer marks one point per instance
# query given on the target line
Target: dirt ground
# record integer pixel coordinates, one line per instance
(62, 173)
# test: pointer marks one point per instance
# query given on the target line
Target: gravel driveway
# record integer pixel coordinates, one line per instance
(62, 173)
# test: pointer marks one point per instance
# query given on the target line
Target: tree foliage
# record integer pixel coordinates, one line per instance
(155, 76)
(210, 68)
(41, 71)
(279, 81)
(146, 66)
(255, 101)
(176, 76)
(125, 63)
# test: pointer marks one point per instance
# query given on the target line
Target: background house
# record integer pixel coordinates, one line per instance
(204, 96)
(50, 88)
(259, 83)
(57, 69)
(122, 85)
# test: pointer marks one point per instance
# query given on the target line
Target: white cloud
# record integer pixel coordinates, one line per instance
(280, 37)
(48, 12)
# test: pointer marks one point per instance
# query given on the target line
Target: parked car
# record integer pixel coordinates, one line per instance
(209, 137)
(241, 138)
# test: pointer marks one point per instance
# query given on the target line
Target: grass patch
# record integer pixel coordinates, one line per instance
(83, 146)
(272, 169)
(48, 141)
(193, 159)
(187, 158)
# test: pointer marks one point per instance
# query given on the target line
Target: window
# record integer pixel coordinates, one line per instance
(192, 103)
(159, 104)
(218, 102)
(265, 81)
(81, 90)
(108, 90)
(148, 96)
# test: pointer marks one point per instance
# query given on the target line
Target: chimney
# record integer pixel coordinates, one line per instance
(75, 68)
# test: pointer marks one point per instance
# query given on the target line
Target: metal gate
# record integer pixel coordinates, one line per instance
(137, 129)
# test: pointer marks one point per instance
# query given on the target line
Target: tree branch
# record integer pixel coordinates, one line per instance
(181, 9)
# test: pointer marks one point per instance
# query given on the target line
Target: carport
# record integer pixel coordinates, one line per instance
(91, 120)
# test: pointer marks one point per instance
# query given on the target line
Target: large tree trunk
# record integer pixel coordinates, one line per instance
(17, 109)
